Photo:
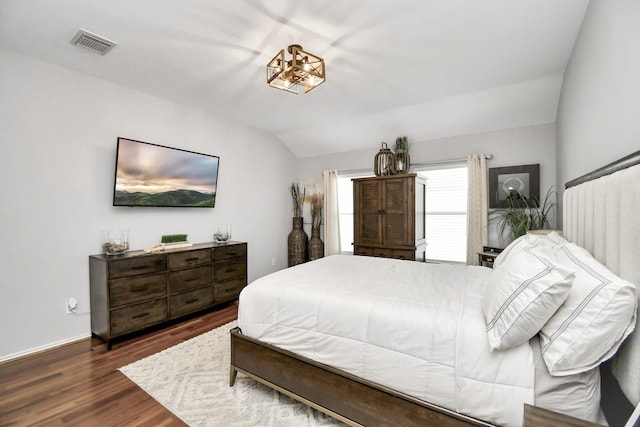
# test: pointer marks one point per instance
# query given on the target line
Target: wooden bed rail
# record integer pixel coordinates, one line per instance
(350, 399)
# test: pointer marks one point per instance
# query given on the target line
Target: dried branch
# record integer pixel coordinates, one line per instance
(317, 201)
(297, 198)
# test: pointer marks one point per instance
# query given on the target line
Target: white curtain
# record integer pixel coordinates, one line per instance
(331, 213)
(476, 207)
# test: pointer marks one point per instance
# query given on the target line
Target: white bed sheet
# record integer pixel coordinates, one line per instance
(417, 328)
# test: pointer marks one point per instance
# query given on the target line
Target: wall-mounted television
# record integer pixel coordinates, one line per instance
(154, 175)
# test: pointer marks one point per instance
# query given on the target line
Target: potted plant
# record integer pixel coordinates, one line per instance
(401, 159)
(523, 214)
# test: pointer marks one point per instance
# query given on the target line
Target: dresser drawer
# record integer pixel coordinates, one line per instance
(188, 302)
(232, 269)
(137, 288)
(190, 278)
(137, 265)
(221, 253)
(137, 316)
(188, 259)
(228, 291)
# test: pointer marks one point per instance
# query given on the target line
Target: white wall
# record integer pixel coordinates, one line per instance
(59, 130)
(598, 117)
(511, 147)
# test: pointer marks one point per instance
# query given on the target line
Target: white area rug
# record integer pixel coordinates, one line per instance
(191, 380)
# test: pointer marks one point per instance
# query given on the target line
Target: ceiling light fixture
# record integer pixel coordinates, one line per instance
(303, 70)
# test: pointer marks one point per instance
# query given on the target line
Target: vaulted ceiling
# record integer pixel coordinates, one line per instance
(422, 68)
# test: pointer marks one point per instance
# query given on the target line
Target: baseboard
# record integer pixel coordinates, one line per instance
(43, 348)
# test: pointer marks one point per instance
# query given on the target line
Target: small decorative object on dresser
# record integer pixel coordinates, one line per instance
(116, 242)
(138, 290)
(222, 233)
(401, 158)
(383, 162)
(316, 245)
(173, 238)
(298, 241)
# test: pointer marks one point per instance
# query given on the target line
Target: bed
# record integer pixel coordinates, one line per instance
(376, 341)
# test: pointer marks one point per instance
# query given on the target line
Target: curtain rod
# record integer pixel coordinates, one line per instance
(434, 163)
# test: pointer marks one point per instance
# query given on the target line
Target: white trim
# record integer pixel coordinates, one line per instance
(42, 348)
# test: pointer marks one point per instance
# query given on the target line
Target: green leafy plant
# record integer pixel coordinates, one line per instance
(523, 214)
(401, 144)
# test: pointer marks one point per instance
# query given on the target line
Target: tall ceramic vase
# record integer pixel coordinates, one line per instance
(298, 243)
(316, 245)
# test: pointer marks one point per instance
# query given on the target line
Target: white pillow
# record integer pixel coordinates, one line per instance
(520, 295)
(596, 317)
(522, 242)
(554, 237)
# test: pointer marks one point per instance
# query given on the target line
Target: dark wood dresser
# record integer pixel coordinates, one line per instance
(137, 290)
(388, 216)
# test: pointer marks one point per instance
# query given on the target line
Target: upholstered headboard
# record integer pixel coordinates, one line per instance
(602, 214)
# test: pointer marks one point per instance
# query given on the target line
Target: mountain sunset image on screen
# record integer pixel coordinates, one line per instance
(155, 175)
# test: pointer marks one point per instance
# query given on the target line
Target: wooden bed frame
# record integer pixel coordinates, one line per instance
(348, 398)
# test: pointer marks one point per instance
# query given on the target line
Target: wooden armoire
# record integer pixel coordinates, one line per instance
(389, 216)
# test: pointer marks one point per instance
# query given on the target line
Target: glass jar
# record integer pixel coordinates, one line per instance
(115, 242)
(222, 233)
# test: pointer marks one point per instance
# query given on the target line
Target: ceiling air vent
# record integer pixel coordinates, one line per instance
(93, 42)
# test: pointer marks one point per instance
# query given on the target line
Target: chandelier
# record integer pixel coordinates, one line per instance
(303, 70)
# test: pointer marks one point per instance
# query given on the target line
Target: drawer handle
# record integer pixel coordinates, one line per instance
(192, 259)
(190, 279)
(142, 289)
(141, 315)
(139, 267)
(191, 301)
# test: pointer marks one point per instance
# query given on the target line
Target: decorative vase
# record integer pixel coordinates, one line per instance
(316, 245)
(401, 161)
(298, 243)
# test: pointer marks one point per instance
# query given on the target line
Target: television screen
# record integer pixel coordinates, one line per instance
(155, 175)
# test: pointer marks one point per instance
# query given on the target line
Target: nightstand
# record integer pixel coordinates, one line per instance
(539, 417)
(488, 256)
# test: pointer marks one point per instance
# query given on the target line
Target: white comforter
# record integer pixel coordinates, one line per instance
(414, 327)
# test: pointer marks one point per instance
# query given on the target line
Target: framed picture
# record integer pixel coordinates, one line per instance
(512, 184)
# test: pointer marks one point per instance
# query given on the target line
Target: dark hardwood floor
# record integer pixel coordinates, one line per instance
(79, 383)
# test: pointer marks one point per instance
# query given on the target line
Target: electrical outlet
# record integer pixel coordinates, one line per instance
(71, 306)
(273, 261)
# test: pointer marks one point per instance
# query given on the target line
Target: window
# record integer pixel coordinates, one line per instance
(446, 213)
(345, 205)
